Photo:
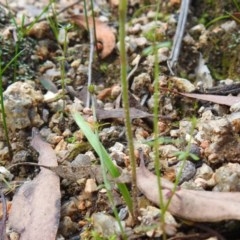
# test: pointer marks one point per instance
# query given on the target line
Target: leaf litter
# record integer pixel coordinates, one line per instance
(64, 136)
(104, 33)
(35, 212)
(197, 206)
(224, 100)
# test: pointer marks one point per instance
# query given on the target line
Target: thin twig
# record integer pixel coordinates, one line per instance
(134, 69)
(28, 164)
(177, 41)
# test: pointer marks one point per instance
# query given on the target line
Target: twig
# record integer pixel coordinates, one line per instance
(177, 41)
(134, 69)
(30, 164)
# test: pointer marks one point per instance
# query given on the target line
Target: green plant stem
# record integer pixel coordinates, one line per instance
(157, 165)
(156, 128)
(104, 170)
(94, 26)
(124, 82)
(156, 97)
(183, 164)
(91, 54)
(237, 4)
(216, 20)
(3, 111)
(86, 14)
(2, 100)
(63, 73)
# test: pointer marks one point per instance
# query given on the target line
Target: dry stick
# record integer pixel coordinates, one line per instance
(30, 164)
(177, 41)
(134, 69)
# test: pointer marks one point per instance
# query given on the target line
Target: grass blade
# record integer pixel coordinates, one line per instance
(101, 151)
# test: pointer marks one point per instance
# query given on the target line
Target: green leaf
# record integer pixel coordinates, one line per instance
(150, 50)
(101, 151)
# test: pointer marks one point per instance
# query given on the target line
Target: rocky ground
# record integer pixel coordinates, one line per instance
(46, 68)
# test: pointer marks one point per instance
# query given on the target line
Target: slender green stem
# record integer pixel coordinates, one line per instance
(217, 19)
(183, 164)
(63, 73)
(156, 128)
(2, 100)
(94, 28)
(86, 14)
(124, 82)
(3, 111)
(91, 54)
(105, 179)
(11, 61)
(156, 97)
(237, 4)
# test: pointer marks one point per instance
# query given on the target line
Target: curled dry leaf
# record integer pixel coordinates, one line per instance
(104, 33)
(35, 211)
(224, 100)
(199, 206)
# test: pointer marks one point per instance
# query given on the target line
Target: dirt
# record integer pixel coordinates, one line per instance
(45, 60)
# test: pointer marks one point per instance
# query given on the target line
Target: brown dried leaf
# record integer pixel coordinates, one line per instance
(119, 113)
(104, 33)
(199, 206)
(224, 100)
(35, 211)
(106, 92)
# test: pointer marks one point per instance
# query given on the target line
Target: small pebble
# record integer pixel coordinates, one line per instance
(188, 170)
(90, 186)
(105, 224)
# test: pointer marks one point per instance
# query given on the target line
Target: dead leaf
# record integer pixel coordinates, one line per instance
(48, 84)
(104, 33)
(35, 211)
(224, 100)
(199, 206)
(106, 92)
(119, 113)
